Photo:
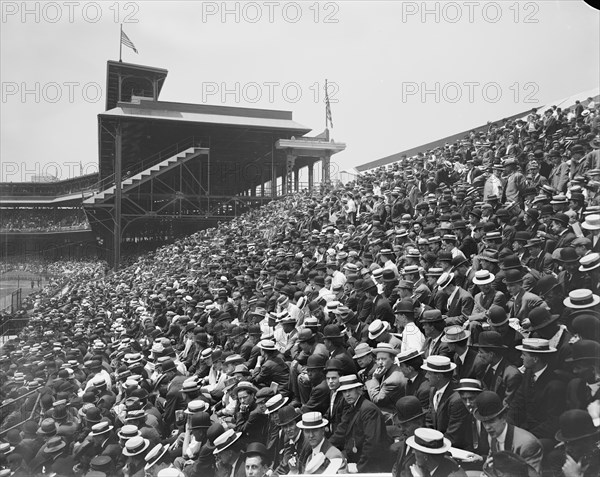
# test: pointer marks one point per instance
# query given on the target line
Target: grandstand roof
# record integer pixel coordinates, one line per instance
(207, 114)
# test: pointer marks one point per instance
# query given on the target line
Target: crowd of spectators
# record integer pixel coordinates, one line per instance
(432, 318)
(42, 220)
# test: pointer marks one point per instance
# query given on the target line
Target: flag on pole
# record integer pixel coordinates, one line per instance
(328, 119)
(127, 42)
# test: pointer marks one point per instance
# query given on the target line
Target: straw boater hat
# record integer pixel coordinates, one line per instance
(312, 420)
(135, 446)
(155, 455)
(588, 262)
(407, 355)
(581, 299)
(438, 364)
(385, 348)
(275, 403)
(536, 345)
(469, 384)
(454, 334)
(429, 441)
(225, 440)
(377, 328)
(483, 277)
(362, 349)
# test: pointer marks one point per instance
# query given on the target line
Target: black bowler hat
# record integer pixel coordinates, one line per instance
(409, 408)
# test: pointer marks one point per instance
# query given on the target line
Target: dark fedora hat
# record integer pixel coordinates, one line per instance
(332, 331)
(511, 262)
(431, 316)
(316, 361)
(568, 255)
(584, 350)
(540, 317)
(561, 218)
(488, 405)
(257, 448)
(409, 408)
(287, 414)
(513, 276)
(489, 339)
(575, 424)
(364, 285)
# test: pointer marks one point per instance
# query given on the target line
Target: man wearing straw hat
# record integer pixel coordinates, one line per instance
(430, 447)
(362, 432)
(541, 397)
(313, 427)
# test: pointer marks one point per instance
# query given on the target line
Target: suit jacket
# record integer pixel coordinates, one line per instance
(449, 468)
(565, 239)
(382, 310)
(404, 459)
(363, 436)
(483, 302)
(274, 369)
(504, 380)
(523, 303)
(385, 392)
(537, 405)
(439, 348)
(523, 443)
(542, 263)
(420, 388)
(472, 367)
(335, 413)
(450, 418)
(438, 299)
(457, 306)
(318, 399)
(348, 364)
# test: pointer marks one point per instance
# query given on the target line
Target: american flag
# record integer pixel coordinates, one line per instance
(127, 42)
(328, 119)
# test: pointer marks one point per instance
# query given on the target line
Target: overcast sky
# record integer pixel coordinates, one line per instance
(479, 61)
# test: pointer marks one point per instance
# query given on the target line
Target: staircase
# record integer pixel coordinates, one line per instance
(147, 174)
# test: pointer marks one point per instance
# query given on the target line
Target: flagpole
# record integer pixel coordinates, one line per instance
(326, 104)
(121, 44)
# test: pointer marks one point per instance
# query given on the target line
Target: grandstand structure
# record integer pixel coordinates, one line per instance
(45, 220)
(168, 169)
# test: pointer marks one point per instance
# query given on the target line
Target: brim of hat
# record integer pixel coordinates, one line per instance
(392, 351)
(446, 340)
(333, 336)
(55, 449)
(560, 437)
(146, 445)
(108, 429)
(542, 351)
(121, 436)
(553, 318)
(469, 388)
(323, 424)
(483, 282)
(362, 355)
(285, 423)
(477, 345)
(190, 390)
(427, 450)
(237, 438)
(433, 370)
(587, 226)
(157, 458)
(583, 268)
(412, 418)
(481, 418)
(281, 404)
(595, 301)
(487, 259)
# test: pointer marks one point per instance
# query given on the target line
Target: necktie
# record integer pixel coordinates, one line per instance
(475, 433)
(495, 445)
(436, 400)
(488, 378)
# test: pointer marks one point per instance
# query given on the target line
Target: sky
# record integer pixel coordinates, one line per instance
(401, 74)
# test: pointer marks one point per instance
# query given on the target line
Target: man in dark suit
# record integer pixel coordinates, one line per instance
(541, 398)
(499, 375)
(337, 404)
(545, 325)
(273, 368)
(318, 399)
(468, 364)
(382, 309)
(433, 328)
(460, 302)
(447, 412)
(522, 302)
(491, 412)
(417, 385)
(362, 432)
(333, 338)
(408, 418)
(539, 259)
